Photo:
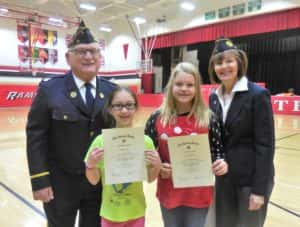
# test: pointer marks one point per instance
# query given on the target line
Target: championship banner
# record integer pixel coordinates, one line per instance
(41, 50)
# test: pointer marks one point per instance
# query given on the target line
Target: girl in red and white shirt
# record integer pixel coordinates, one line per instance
(183, 112)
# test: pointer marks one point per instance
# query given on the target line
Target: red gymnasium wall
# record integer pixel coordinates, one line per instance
(18, 95)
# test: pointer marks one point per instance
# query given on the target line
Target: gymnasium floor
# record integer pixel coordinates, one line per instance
(18, 209)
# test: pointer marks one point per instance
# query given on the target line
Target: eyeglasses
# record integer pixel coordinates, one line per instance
(119, 106)
(82, 52)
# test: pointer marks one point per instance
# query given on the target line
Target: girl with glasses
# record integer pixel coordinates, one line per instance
(122, 204)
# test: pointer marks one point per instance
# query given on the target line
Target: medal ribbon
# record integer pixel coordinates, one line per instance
(120, 191)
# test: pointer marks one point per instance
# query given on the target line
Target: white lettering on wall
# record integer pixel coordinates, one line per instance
(296, 105)
(13, 95)
(281, 104)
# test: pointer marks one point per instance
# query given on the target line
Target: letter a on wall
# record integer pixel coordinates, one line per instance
(125, 50)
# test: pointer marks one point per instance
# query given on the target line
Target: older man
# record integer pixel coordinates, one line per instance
(63, 120)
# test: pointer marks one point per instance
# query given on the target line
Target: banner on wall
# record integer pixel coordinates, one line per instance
(39, 36)
(68, 39)
(23, 53)
(43, 55)
(125, 50)
(22, 33)
(41, 40)
(101, 43)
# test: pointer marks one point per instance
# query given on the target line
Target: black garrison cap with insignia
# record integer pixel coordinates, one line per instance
(222, 44)
(82, 36)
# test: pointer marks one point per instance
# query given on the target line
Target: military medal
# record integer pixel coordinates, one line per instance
(101, 95)
(229, 43)
(73, 94)
(121, 190)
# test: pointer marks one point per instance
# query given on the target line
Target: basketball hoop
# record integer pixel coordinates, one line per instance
(144, 66)
(146, 40)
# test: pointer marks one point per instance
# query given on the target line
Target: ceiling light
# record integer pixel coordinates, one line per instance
(55, 20)
(3, 10)
(87, 6)
(187, 6)
(139, 20)
(105, 29)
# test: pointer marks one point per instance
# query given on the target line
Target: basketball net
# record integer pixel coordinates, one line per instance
(146, 42)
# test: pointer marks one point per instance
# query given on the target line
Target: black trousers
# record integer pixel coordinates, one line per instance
(73, 193)
(232, 204)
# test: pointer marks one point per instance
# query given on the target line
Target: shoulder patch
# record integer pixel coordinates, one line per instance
(53, 77)
(47, 79)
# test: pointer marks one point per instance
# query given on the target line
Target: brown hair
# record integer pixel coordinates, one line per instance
(239, 55)
(109, 120)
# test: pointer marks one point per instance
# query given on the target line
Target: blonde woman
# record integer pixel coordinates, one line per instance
(183, 112)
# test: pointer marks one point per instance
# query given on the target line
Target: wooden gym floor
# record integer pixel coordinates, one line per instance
(18, 209)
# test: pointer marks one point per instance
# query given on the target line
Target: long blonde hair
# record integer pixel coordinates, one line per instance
(199, 109)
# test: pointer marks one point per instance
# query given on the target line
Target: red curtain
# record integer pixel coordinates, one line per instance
(276, 21)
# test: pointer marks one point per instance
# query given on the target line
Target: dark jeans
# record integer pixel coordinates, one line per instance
(73, 193)
(184, 216)
(232, 204)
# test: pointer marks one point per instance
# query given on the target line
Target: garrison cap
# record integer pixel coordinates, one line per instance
(222, 44)
(82, 36)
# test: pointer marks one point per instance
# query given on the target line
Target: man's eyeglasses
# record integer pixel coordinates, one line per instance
(119, 106)
(82, 52)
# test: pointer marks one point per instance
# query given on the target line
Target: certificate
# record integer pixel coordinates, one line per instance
(124, 156)
(190, 161)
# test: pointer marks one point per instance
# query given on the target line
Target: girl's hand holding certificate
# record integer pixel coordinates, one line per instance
(220, 167)
(94, 158)
(152, 158)
(153, 164)
(165, 170)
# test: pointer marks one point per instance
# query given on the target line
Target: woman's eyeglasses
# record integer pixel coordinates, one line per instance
(82, 52)
(119, 106)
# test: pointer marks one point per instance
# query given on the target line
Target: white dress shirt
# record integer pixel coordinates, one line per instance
(226, 99)
(81, 87)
